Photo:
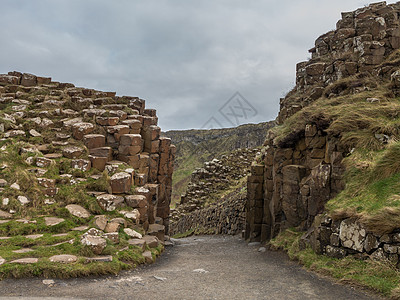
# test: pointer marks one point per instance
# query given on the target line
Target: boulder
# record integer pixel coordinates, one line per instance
(94, 141)
(148, 257)
(352, 234)
(79, 130)
(43, 162)
(151, 241)
(100, 222)
(138, 243)
(77, 211)
(112, 236)
(72, 152)
(132, 233)
(136, 201)
(121, 183)
(109, 202)
(63, 258)
(95, 243)
(25, 261)
(52, 221)
(81, 164)
(98, 162)
(157, 230)
(23, 200)
(28, 80)
(112, 227)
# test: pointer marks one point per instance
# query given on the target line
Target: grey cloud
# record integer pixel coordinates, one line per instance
(186, 58)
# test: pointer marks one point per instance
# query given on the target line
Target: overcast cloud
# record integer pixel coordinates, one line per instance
(186, 58)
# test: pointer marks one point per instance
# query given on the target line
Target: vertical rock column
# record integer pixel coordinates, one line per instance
(255, 204)
(166, 155)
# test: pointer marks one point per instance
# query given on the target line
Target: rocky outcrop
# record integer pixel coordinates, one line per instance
(290, 186)
(200, 146)
(227, 216)
(207, 205)
(91, 157)
(301, 169)
(214, 177)
(361, 41)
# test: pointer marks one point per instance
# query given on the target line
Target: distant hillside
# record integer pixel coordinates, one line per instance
(194, 147)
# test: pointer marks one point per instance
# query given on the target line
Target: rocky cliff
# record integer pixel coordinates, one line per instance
(195, 147)
(89, 167)
(336, 148)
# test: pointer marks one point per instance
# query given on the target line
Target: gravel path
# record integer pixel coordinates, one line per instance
(206, 267)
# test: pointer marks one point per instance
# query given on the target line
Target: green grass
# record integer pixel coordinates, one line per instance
(380, 277)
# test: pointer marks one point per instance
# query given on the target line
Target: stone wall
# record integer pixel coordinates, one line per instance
(361, 41)
(95, 129)
(290, 186)
(339, 238)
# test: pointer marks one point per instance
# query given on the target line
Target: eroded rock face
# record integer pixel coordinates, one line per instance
(352, 235)
(77, 211)
(109, 202)
(121, 183)
(96, 243)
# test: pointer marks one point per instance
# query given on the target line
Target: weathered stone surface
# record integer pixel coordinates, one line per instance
(77, 211)
(371, 243)
(106, 258)
(121, 183)
(136, 216)
(109, 202)
(5, 215)
(157, 230)
(151, 241)
(136, 201)
(335, 252)
(81, 164)
(98, 163)
(102, 152)
(112, 236)
(63, 258)
(100, 222)
(3, 183)
(138, 243)
(52, 221)
(79, 130)
(72, 152)
(148, 257)
(92, 141)
(23, 250)
(25, 261)
(132, 233)
(28, 80)
(96, 243)
(352, 235)
(43, 162)
(112, 227)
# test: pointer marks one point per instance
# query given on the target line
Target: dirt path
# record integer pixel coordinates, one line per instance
(207, 267)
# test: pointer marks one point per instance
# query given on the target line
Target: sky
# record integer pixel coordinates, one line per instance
(201, 64)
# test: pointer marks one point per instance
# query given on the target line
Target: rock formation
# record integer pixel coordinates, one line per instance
(101, 144)
(301, 167)
(215, 198)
